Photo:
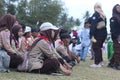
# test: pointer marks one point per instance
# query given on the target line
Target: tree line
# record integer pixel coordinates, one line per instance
(35, 12)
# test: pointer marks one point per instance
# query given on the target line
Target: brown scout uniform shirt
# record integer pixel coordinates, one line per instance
(5, 41)
(36, 56)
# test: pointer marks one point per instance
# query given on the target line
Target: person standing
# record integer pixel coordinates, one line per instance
(85, 40)
(98, 34)
(115, 34)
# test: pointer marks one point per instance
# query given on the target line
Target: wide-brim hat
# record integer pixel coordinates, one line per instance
(46, 26)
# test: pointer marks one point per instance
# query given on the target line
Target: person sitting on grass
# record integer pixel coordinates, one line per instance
(42, 58)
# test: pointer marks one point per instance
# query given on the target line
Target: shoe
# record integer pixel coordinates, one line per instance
(101, 63)
(95, 65)
(118, 67)
(111, 66)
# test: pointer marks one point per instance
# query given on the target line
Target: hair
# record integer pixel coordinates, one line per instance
(97, 5)
(23, 26)
(56, 33)
(64, 36)
(7, 22)
(47, 34)
(62, 31)
(98, 9)
(115, 13)
(35, 30)
(15, 31)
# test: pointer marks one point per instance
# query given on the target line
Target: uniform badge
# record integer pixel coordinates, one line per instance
(112, 20)
(7, 36)
(93, 18)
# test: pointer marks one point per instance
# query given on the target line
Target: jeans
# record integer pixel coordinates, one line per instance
(83, 53)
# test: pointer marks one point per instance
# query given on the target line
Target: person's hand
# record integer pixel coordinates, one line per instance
(93, 39)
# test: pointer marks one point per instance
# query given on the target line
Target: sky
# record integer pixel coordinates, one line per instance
(77, 8)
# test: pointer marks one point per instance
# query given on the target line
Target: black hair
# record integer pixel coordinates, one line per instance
(64, 36)
(35, 30)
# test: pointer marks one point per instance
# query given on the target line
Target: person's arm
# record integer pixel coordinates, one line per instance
(113, 27)
(93, 24)
(5, 35)
(23, 46)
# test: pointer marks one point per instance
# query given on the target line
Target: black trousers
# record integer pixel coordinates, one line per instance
(15, 60)
(98, 51)
(49, 66)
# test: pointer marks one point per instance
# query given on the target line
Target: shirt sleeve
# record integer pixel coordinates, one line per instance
(113, 27)
(6, 41)
(93, 25)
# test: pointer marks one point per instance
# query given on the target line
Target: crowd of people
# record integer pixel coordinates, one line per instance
(50, 50)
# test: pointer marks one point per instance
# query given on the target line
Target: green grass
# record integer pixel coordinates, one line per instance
(81, 71)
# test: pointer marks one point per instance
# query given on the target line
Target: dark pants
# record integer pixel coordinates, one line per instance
(49, 66)
(115, 61)
(97, 50)
(15, 60)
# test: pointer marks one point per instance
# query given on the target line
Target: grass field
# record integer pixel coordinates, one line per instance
(81, 71)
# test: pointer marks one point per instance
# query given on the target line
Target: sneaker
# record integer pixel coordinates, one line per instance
(96, 65)
(101, 63)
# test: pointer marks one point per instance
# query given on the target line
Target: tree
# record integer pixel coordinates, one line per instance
(10, 6)
(11, 9)
(86, 16)
(63, 19)
(44, 10)
(2, 11)
(21, 11)
(77, 22)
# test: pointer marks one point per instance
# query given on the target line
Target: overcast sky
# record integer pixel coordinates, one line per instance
(77, 8)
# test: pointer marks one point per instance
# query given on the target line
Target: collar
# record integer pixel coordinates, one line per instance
(43, 37)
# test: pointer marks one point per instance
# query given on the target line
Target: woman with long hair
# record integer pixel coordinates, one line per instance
(115, 34)
(6, 25)
(98, 34)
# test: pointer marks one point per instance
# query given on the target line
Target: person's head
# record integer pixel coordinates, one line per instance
(47, 29)
(27, 32)
(17, 31)
(7, 21)
(23, 26)
(65, 37)
(86, 24)
(116, 9)
(73, 40)
(97, 7)
(62, 31)
(35, 32)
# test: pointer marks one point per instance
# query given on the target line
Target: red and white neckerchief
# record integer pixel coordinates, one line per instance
(46, 39)
(43, 37)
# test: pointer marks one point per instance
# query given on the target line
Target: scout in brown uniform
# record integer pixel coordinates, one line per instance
(6, 24)
(42, 58)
